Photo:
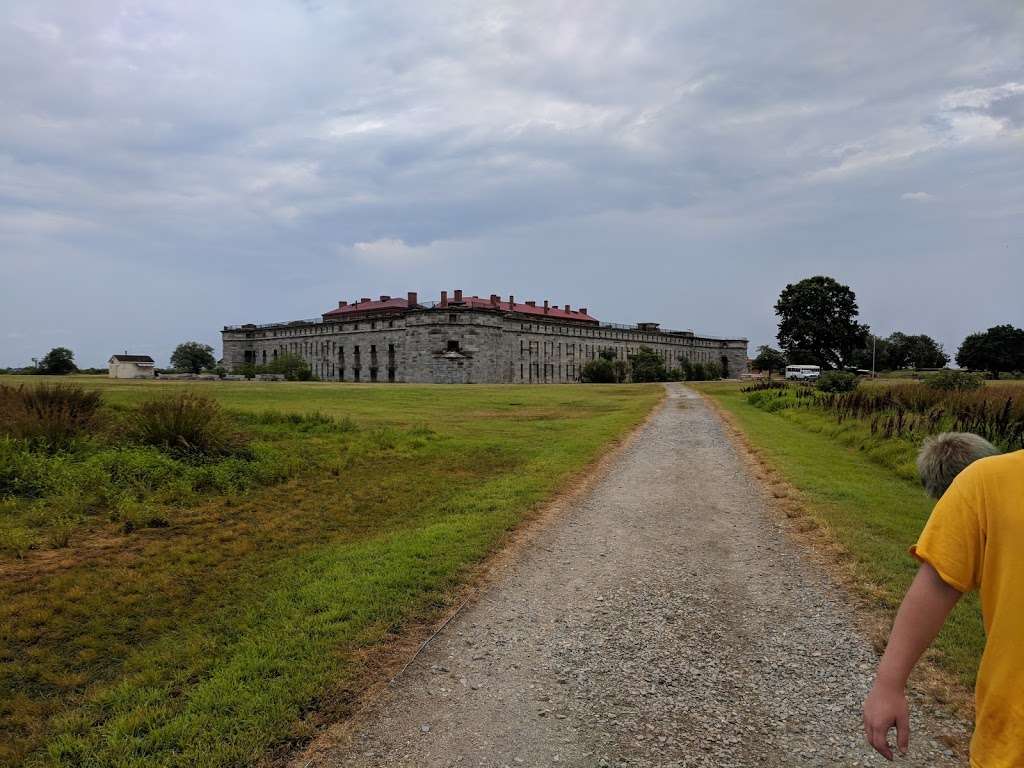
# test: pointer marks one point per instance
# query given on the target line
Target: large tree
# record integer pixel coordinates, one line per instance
(769, 360)
(999, 349)
(818, 322)
(193, 357)
(57, 362)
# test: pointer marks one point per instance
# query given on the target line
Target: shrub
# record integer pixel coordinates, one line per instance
(600, 371)
(838, 381)
(188, 425)
(959, 381)
(291, 365)
(647, 365)
(48, 415)
(16, 540)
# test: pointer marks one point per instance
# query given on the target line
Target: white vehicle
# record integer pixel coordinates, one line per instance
(803, 372)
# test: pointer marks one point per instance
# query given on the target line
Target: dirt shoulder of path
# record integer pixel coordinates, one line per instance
(338, 714)
(939, 688)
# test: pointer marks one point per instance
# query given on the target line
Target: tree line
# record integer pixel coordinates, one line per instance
(644, 365)
(819, 325)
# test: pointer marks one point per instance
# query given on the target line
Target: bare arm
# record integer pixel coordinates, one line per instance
(921, 615)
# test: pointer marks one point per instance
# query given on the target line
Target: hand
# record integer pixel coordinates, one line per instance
(885, 707)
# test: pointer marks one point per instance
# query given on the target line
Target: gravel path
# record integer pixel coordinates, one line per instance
(664, 620)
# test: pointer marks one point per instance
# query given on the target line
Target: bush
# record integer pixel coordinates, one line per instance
(291, 365)
(48, 415)
(838, 381)
(955, 381)
(188, 425)
(600, 371)
(647, 365)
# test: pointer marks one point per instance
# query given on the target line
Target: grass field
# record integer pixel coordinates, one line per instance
(216, 637)
(860, 488)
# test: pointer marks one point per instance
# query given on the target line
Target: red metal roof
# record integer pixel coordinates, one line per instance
(368, 306)
(557, 313)
(361, 308)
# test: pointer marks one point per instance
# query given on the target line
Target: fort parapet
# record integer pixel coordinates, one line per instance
(465, 340)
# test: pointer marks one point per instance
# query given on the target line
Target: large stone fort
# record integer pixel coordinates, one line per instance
(465, 340)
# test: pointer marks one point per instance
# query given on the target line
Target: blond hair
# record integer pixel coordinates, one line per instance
(944, 456)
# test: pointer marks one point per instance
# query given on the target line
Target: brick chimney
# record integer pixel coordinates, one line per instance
(364, 300)
(567, 308)
(412, 299)
(444, 298)
(546, 306)
(531, 303)
(495, 299)
(458, 295)
(511, 301)
(583, 310)
(385, 298)
(342, 304)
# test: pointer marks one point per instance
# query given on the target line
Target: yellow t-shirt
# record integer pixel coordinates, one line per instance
(975, 540)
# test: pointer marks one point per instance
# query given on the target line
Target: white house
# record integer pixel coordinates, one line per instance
(132, 367)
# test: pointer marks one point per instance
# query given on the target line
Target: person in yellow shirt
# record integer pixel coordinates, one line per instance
(974, 539)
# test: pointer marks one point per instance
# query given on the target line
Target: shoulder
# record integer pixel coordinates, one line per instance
(1005, 466)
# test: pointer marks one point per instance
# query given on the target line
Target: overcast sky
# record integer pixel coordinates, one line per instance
(170, 167)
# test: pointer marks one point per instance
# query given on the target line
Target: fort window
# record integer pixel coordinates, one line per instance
(373, 374)
(453, 345)
(373, 325)
(391, 375)
(453, 318)
(264, 357)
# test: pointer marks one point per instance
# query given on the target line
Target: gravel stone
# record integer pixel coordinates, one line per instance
(664, 620)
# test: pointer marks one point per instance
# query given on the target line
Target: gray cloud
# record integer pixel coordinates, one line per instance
(166, 167)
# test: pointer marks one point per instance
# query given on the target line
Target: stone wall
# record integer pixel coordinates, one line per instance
(454, 345)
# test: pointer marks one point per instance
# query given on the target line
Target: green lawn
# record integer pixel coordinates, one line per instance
(861, 492)
(219, 637)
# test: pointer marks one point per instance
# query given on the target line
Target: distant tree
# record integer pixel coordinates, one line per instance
(997, 350)
(770, 360)
(818, 322)
(599, 371)
(57, 362)
(608, 354)
(647, 365)
(874, 352)
(920, 351)
(193, 357)
(900, 350)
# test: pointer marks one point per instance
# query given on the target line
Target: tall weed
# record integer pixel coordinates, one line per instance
(187, 425)
(49, 416)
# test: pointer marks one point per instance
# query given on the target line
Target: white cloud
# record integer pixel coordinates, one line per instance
(919, 197)
(980, 98)
(392, 252)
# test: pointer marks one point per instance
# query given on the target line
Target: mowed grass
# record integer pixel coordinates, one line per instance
(222, 637)
(864, 496)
